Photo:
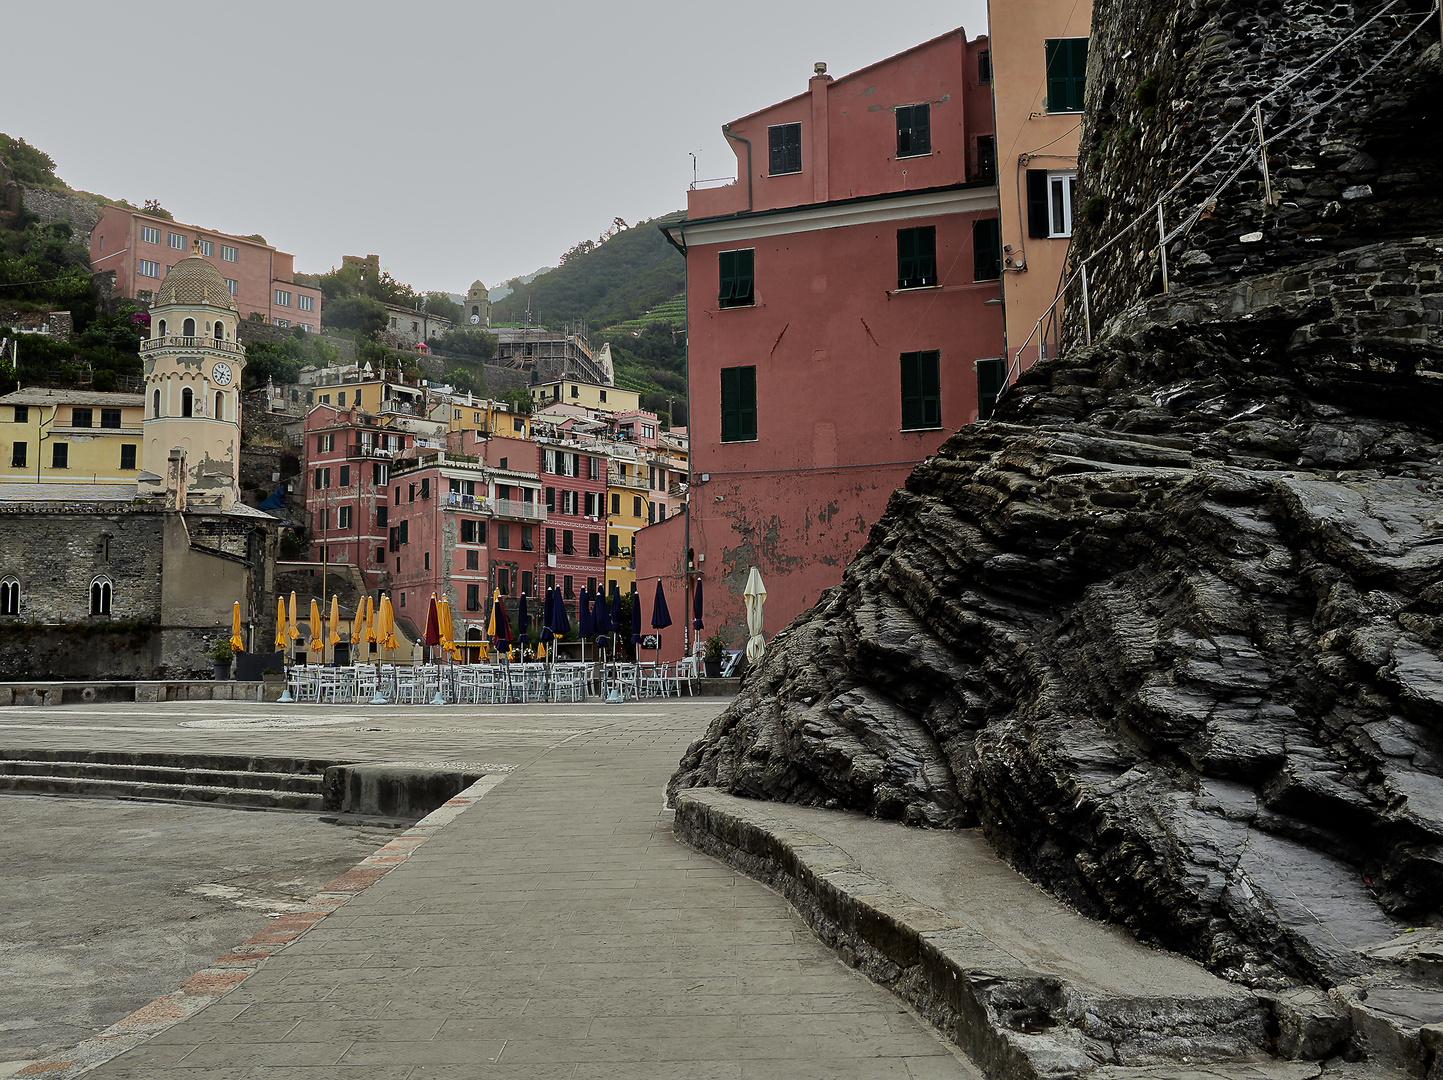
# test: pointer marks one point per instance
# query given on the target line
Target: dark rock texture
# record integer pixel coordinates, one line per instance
(1168, 629)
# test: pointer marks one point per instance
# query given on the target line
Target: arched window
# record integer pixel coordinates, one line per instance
(155, 404)
(100, 596)
(188, 328)
(9, 597)
(187, 402)
(219, 333)
(161, 326)
(220, 405)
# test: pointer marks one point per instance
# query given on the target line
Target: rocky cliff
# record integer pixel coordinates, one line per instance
(1168, 628)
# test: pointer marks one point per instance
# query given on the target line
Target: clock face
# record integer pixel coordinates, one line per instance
(220, 374)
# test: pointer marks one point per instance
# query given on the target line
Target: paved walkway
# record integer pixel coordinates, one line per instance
(554, 929)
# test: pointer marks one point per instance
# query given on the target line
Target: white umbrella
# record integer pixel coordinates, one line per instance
(753, 597)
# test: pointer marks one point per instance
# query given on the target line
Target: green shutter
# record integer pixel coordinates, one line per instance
(929, 378)
(1066, 74)
(747, 412)
(746, 261)
(1037, 217)
(906, 257)
(730, 402)
(727, 264)
(911, 391)
(1078, 74)
(991, 378)
(986, 250)
(927, 255)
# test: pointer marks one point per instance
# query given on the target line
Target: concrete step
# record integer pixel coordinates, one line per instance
(310, 783)
(130, 789)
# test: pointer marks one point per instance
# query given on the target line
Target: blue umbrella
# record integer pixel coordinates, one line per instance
(599, 617)
(615, 607)
(560, 624)
(521, 618)
(635, 619)
(696, 607)
(546, 608)
(503, 624)
(584, 622)
(660, 617)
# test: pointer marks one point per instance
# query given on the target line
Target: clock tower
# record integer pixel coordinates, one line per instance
(476, 312)
(193, 363)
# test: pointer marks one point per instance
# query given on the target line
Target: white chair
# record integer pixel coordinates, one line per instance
(405, 686)
(686, 672)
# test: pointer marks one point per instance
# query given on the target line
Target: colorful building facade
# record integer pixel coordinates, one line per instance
(71, 437)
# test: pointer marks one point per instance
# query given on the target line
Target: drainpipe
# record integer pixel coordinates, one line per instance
(726, 131)
(688, 583)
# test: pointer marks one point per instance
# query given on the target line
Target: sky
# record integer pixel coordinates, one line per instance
(455, 140)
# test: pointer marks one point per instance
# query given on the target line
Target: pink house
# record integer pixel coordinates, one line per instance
(843, 304)
(141, 247)
(573, 472)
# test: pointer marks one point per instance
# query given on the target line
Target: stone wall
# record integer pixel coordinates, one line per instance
(50, 206)
(1167, 80)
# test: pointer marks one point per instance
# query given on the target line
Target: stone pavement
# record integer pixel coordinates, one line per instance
(552, 927)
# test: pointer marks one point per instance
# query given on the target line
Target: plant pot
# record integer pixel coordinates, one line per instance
(221, 670)
(712, 666)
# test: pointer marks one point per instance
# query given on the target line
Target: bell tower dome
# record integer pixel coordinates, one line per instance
(193, 362)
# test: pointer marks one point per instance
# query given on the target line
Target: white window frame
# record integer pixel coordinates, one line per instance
(146, 268)
(102, 602)
(149, 235)
(1061, 188)
(229, 254)
(306, 303)
(287, 322)
(233, 286)
(207, 248)
(283, 298)
(10, 596)
(175, 240)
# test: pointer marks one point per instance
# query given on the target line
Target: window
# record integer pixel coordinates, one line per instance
(80, 417)
(921, 390)
(592, 498)
(110, 418)
(398, 494)
(615, 505)
(9, 597)
(914, 130)
(636, 506)
(228, 254)
(984, 66)
(283, 298)
(380, 556)
(473, 594)
(603, 395)
(468, 531)
(344, 521)
(503, 580)
(155, 404)
(22, 414)
(148, 269)
(527, 543)
(305, 303)
(526, 582)
(378, 475)
(737, 274)
(738, 404)
(325, 443)
(1066, 74)
(341, 398)
(568, 545)
(410, 492)
(381, 515)
(426, 560)
(917, 257)
(1049, 203)
(100, 596)
(232, 285)
(345, 476)
(127, 455)
(503, 537)
(405, 535)
(567, 589)
(207, 248)
(473, 560)
(426, 487)
(220, 404)
(17, 455)
(986, 250)
(575, 390)
(176, 241)
(149, 235)
(651, 513)
(593, 546)
(991, 378)
(613, 544)
(187, 328)
(518, 424)
(551, 581)
(394, 541)
(784, 149)
(985, 166)
(60, 456)
(551, 541)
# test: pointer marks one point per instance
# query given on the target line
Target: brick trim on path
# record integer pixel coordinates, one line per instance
(212, 983)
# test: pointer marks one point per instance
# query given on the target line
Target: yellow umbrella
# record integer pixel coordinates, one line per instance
(541, 650)
(280, 623)
(237, 642)
(291, 631)
(318, 641)
(386, 627)
(334, 637)
(370, 620)
(491, 623)
(444, 612)
(358, 623)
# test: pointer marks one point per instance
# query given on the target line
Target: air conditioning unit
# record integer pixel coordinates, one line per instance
(551, 560)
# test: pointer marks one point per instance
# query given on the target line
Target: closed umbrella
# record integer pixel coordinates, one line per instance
(522, 624)
(237, 642)
(386, 624)
(503, 622)
(358, 626)
(561, 623)
(291, 631)
(696, 623)
(491, 622)
(585, 625)
(660, 616)
(448, 631)
(335, 635)
(280, 624)
(635, 623)
(433, 625)
(753, 596)
(547, 614)
(318, 639)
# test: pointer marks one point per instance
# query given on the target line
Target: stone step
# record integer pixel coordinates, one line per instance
(214, 794)
(171, 776)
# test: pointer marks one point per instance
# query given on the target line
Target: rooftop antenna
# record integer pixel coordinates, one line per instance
(693, 170)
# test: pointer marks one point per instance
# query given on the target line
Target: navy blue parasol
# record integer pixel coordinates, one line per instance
(521, 619)
(696, 607)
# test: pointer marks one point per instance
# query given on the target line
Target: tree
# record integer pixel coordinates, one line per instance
(355, 313)
(26, 164)
(468, 342)
(438, 303)
(519, 398)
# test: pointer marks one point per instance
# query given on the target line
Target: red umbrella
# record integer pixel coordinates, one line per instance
(433, 624)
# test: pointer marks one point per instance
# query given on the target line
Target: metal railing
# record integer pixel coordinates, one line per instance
(479, 503)
(175, 341)
(526, 511)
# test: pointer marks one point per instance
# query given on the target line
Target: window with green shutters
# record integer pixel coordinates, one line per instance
(986, 250)
(921, 390)
(738, 404)
(917, 257)
(736, 269)
(991, 378)
(914, 130)
(1066, 74)
(784, 149)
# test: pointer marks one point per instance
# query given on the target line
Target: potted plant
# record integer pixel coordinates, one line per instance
(711, 661)
(221, 656)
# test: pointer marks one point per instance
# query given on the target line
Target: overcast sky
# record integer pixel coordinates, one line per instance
(456, 140)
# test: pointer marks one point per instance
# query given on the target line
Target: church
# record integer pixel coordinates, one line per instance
(131, 568)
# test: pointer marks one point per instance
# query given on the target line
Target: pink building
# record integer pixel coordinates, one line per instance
(573, 472)
(843, 301)
(141, 247)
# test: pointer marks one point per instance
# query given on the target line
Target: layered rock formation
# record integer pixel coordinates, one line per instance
(1168, 628)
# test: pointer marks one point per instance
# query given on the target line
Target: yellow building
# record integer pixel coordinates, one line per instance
(1038, 70)
(71, 437)
(486, 416)
(585, 395)
(626, 514)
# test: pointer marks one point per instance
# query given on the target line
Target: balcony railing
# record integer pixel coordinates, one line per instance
(359, 450)
(615, 479)
(458, 501)
(174, 341)
(524, 511)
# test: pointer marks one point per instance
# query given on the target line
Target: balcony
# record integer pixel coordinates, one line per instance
(174, 341)
(357, 450)
(455, 500)
(636, 483)
(521, 511)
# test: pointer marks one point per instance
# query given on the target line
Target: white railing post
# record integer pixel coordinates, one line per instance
(1263, 153)
(1086, 306)
(1162, 245)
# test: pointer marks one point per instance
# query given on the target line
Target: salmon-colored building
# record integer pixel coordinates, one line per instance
(841, 295)
(141, 248)
(1039, 72)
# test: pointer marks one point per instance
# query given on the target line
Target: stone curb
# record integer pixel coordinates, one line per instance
(227, 972)
(1002, 1013)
